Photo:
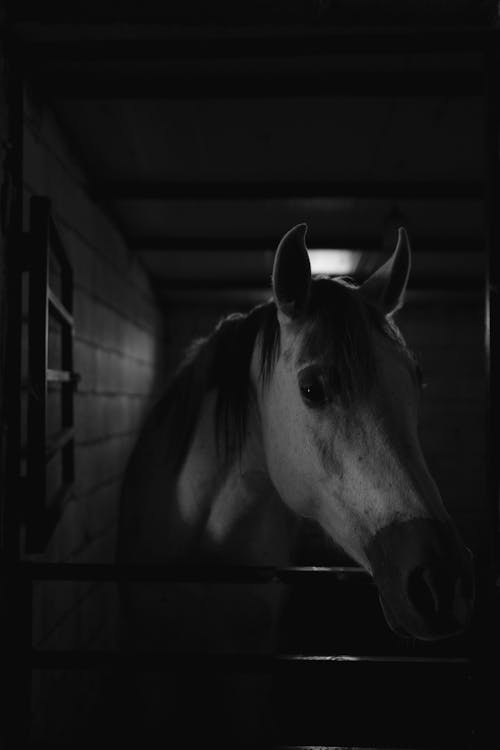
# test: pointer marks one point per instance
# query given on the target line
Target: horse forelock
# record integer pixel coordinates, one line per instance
(337, 335)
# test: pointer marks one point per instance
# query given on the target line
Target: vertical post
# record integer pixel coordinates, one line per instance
(67, 389)
(487, 646)
(15, 618)
(37, 368)
(492, 296)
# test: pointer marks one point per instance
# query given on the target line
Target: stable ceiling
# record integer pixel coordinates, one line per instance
(208, 133)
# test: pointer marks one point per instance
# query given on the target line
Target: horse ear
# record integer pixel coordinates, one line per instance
(386, 287)
(292, 273)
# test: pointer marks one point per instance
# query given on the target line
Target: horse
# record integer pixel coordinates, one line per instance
(305, 407)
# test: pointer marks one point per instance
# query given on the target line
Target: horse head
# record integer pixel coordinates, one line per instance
(340, 429)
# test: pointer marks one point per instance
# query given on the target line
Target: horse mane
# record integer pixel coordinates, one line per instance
(219, 361)
(336, 330)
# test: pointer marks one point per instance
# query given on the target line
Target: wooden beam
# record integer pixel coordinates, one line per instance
(165, 244)
(227, 300)
(427, 282)
(289, 190)
(271, 13)
(161, 44)
(121, 84)
(492, 301)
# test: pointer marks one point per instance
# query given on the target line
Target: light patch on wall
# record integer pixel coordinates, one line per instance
(334, 262)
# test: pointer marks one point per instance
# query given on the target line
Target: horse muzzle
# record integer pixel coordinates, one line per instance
(425, 578)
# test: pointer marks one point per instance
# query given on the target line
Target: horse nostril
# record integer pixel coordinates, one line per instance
(423, 593)
(427, 589)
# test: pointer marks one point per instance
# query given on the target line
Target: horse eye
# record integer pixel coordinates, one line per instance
(312, 388)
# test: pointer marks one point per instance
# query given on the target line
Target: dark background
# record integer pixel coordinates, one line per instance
(177, 144)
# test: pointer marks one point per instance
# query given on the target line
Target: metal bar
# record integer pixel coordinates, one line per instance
(191, 572)
(158, 85)
(60, 310)
(59, 441)
(269, 244)
(428, 190)
(159, 661)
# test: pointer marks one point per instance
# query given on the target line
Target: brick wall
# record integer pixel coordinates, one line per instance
(118, 337)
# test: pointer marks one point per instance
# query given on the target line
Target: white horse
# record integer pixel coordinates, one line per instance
(306, 407)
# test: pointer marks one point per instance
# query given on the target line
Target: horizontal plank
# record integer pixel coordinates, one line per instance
(132, 43)
(167, 86)
(229, 299)
(279, 190)
(267, 16)
(269, 244)
(261, 282)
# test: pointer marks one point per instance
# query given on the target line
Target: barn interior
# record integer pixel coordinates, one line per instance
(160, 152)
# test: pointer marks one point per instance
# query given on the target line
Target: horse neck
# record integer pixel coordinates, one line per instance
(234, 507)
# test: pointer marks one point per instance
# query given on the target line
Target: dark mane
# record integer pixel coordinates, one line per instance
(335, 330)
(220, 361)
